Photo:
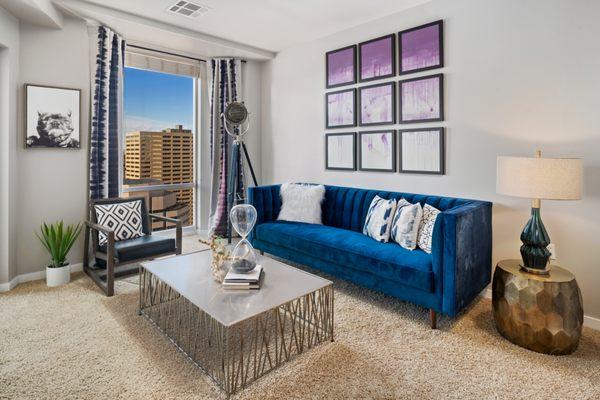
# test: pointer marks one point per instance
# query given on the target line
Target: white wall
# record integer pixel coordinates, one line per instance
(49, 184)
(520, 75)
(9, 68)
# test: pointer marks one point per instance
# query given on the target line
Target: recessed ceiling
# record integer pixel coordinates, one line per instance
(267, 24)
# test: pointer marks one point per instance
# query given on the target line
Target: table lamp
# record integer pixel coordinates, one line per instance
(538, 178)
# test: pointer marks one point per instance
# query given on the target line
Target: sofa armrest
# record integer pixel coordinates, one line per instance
(466, 254)
(267, 202)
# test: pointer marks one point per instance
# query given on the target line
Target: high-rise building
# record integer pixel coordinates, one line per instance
(165, 157)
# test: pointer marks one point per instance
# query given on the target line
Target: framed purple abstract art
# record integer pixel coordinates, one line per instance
(377, 58)
(340, 67)
(377, 151)
(377, 104)
(340, 109)
(422, 99)
(340, 151)
(421, 48)
(422, 151)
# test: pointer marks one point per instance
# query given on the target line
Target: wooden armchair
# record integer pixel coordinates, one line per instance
(120, 258)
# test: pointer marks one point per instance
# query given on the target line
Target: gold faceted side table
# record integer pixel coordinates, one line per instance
(542, 313)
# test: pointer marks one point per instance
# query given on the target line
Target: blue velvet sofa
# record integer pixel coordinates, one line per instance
(445, 281)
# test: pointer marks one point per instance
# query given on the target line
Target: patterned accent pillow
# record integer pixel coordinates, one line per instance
(125, 219)
(405, 225)
(379, 219)
(426, 227)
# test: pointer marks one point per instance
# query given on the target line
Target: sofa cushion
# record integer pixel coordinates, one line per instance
(352, 249)
(124, 218)
(301, 202)
(379, 219)
(146, 246)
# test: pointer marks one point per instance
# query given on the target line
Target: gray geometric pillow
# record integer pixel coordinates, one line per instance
(426, 227)
(123, 218)
(405, 225)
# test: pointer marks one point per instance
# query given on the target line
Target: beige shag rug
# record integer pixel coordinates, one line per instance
(74, 343)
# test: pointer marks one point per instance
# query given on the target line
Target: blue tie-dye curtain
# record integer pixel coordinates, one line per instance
(106, 115)
(224, 85)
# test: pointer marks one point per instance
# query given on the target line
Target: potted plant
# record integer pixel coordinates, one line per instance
(58, 239)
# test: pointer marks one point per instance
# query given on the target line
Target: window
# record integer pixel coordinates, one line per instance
(159, 151)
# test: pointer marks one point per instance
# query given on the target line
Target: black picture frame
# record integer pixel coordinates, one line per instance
(392, 168)
(27, 98)
(332, 52)
(442, 151)
(327, 136)
(441, 99)
(327, 94)
(392, 58)
(401, 70)
(393, 105)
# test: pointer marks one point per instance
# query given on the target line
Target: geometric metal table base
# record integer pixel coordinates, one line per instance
(236, 355)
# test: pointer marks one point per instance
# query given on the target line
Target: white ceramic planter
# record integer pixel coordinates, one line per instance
(58, 276)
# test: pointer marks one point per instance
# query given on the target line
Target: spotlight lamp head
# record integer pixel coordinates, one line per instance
(234, 117)
(235, 113)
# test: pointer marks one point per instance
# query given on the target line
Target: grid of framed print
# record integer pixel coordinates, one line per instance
(422, 151)
(377, 151)
(340, 151)
(420, 99)
(341, 67)
(377, 58)
(340, 109)
(377, 104)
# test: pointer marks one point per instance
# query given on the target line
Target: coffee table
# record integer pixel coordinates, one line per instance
(236, 336)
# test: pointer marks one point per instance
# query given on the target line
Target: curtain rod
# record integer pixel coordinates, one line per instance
(169, 53)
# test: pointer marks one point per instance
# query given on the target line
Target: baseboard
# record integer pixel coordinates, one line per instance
(588, 321)
(33, 276)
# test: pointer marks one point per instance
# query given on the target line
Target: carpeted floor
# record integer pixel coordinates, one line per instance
(74, 343)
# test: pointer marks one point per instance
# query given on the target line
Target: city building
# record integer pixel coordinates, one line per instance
(162, 158)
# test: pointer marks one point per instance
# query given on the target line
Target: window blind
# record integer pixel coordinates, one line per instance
(147, 59)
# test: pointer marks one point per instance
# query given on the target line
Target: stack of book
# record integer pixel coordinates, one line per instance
(237, 281)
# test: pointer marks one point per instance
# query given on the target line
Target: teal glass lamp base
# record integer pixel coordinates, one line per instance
(534, 251)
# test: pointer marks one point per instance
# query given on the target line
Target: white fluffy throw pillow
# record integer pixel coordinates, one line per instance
(301, 203)
(405, 225)
(426, 228)
(379, 219)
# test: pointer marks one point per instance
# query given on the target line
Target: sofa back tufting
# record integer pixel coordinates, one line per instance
(347, 208)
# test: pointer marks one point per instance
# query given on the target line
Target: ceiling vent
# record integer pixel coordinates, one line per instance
(188, 9)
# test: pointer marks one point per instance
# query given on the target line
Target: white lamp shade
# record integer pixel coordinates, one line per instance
(540, 178)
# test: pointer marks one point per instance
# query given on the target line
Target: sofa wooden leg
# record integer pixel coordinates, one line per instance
(262, 253)
(433, 318)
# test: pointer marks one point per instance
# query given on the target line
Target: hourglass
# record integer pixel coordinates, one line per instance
(243, 258)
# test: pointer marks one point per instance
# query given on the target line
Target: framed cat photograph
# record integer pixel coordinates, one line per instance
(53, 117)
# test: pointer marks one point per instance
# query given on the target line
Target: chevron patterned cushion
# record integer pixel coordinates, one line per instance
(125, 219)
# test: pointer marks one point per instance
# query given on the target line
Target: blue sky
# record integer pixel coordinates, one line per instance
(155, 101)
